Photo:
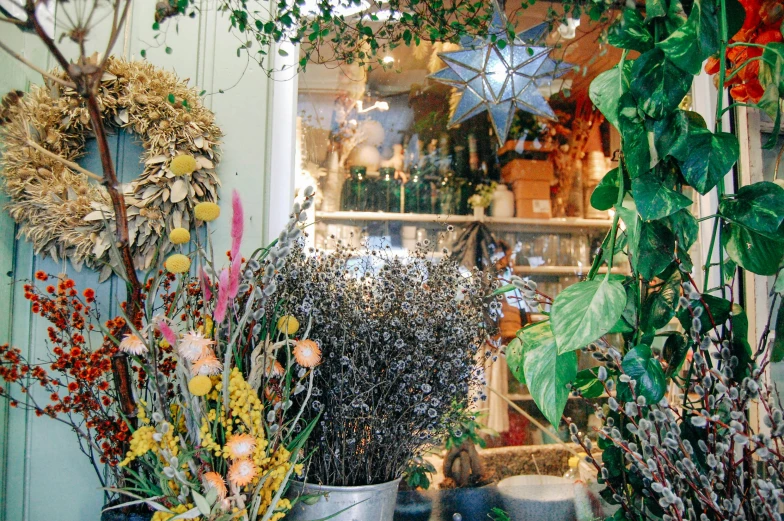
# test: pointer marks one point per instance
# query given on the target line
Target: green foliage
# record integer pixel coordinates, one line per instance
(606, 91)
(347, 32)
(585, 311)
(659, 305)
(668, 156)
(418, 472)
(694, 41)
(467, 427)
(496, 514)
(605, 195)
(640, 365)
(548, 372)
(777, 350)
(751, 250)
(588, 383)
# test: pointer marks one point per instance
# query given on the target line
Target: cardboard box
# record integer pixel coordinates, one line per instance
(531, 189)
(533, 208)
(527, 170)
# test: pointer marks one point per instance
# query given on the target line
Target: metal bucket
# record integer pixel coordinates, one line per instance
(366, 503)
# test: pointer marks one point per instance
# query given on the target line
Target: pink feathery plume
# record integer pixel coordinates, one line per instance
(237, 224)
(167, 332)
(234, 276)
(205, 284)
(223, 297)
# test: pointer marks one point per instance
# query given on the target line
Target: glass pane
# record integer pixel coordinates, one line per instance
(395, 169)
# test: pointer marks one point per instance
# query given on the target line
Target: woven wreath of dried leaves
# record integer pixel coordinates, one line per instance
(67, 215)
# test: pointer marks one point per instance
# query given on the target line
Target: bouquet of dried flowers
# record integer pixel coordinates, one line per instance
(212, 423)
(401, 342)
(483, 195)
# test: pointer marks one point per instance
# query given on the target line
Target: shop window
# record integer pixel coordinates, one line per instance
(392, 172)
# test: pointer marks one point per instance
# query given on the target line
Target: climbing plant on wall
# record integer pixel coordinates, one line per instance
(663, 460)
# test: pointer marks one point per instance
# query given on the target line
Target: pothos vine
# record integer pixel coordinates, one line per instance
(667, 460)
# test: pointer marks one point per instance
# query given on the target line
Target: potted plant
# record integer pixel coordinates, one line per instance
(412, 503)
(483, 196)
(399, 338)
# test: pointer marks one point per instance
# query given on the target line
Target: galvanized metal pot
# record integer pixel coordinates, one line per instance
(366, 503)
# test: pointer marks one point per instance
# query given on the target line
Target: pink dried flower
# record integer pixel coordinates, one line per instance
(234, 276)
(204, 279)
(237, 224)
(223, 297)
(167, 332)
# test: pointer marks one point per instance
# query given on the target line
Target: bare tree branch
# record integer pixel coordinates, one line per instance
(69, 164)
(37, 69)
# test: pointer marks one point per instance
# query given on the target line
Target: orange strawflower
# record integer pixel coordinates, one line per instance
(240, 446)
(307, 353)
(242, 472)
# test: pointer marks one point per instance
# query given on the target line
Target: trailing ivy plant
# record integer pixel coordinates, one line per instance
(695, 458)
(342, 31)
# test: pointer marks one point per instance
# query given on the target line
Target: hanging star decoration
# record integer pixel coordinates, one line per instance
(499, 76)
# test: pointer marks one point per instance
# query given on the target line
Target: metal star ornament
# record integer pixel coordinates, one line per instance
(499, 76)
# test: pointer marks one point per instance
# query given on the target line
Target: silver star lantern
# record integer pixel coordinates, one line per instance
(498, 79)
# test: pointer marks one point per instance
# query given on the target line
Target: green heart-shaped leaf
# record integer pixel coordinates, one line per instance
(759, 207)
(655, 249)
(674, 352)
(641, 367)
(777, 351)
(635, 141)
(655, 9)
(588, 383)
(684, 225)
(548, 372)
(657, 84)
(694, 41)
(605, 195)
(654, 195)
(710, 158)
(514, 358)
(672, 133)
(752, 251)
(659, 307)
(719, 310)
(629, 32)
(585, 311)
(606, 90)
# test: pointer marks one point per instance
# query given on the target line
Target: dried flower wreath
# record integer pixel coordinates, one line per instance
(61, 211)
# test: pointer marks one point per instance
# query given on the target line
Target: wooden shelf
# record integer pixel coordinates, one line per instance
(562, 270)
(566, 223)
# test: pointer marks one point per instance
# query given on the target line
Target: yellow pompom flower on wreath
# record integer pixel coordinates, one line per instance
(177, 263)
(179, 236)
(206, 211)
(135, 97)
(183, 164)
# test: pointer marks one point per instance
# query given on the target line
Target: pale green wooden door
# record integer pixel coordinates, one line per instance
(43, 476)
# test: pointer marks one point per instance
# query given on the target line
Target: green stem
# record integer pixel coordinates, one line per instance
(741, 66)
(706, 268)
(621, 192)
(733, 105)
(614, 231)
(720, 189)
(745, 44)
